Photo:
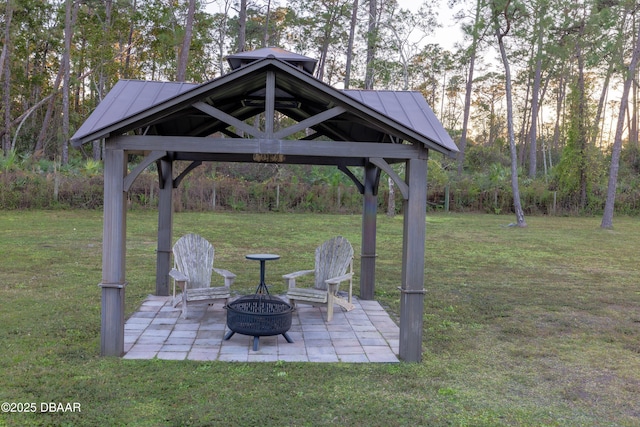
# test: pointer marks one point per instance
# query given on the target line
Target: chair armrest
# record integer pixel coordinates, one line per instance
(334, 282)
(229, 277)
(180, 279)
(290, 279)
(338, 279)
(178, 276)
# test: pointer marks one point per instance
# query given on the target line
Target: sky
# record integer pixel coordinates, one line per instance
(446, 36)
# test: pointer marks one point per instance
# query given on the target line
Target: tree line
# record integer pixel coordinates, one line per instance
(536, 92)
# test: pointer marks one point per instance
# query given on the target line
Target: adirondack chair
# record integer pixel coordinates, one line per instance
(193, 267)
(334, 265)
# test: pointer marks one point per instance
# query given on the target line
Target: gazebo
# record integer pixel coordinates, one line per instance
(166, 122)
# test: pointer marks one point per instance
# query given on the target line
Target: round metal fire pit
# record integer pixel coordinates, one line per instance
(259, 315)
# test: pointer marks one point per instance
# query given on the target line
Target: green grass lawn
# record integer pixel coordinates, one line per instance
(523, 327)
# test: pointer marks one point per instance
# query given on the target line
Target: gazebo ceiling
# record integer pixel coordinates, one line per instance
(184, 109)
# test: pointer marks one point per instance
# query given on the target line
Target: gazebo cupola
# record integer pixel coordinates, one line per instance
(240, 59)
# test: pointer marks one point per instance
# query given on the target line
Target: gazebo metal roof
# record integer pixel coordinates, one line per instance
(130, 97)
(381, 116)
(269, 108)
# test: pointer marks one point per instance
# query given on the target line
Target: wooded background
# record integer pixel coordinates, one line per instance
(541, 96)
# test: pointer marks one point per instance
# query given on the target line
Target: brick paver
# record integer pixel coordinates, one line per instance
(365, 334)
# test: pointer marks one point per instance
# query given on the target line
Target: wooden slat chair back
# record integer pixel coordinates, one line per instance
(333, 258)
(193, 259)
(333, 265)
(194, 254)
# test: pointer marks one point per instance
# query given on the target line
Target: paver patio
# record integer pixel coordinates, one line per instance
(365, 334)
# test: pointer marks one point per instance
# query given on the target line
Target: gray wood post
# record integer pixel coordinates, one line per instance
(165, 226)
(412, 290)
(369, 216)
(113, 254)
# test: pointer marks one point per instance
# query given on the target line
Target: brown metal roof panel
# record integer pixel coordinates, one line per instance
(393, 107)
(432, 121)
(408, 108)
(126, 98)
(155, 92)
(94, 121)
(130, 101)
(139, 95)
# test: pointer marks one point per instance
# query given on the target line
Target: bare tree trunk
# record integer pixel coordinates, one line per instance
(633, 125)
(183, 58)
(242, 25)
(562, 91)
(5, 70)
(39, 148)
(223, 31)
(96, 146)
(462, 146)
(525, 126)
(520, 221)
(7, 37)
(19, 121)
(62, 77)
(582, 128)
(607, 217)
(391, 205)
(352, 31)
(601, 102)
(328, 29)
(6, 89)
(535, 98)
(372, 39)
(69, 21)
(265, 41)
(127, 60)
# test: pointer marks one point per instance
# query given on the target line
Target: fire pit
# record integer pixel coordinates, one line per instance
(261, 314)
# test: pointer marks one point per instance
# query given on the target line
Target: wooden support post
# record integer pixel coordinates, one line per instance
(369, 216)
(113, 254)
(270, 104)
(165, 226)
(412, 290)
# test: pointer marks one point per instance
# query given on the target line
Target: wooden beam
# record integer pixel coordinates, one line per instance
(322, 128)
(402, 186)
(310, 122)
(353, 178)
(145, 163)
(188, 169)
(249, 158)
(351, 149)
(229, 119)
